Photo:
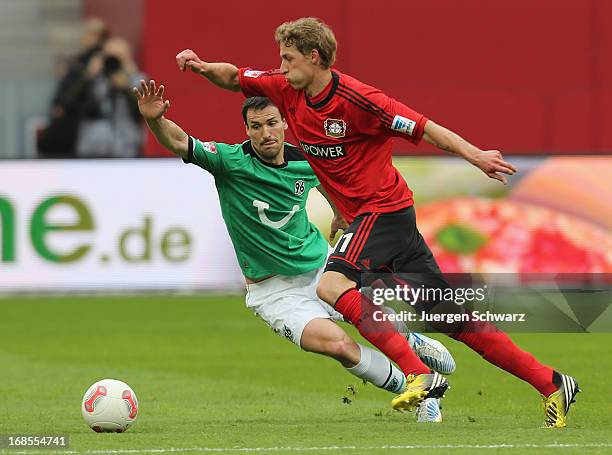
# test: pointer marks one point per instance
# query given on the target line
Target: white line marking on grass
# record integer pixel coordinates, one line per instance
(312, 449)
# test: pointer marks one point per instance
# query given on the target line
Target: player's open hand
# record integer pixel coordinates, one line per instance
(151, 100)
(188, 59)
(493, 164)
(336, 224)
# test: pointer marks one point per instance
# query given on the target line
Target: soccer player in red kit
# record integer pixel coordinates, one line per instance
(345, 129)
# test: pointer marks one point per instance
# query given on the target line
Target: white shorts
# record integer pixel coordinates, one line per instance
(288, 303)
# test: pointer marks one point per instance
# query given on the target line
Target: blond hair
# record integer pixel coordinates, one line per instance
(309, 33)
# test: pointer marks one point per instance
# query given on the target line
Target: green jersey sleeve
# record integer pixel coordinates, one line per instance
(210, 156)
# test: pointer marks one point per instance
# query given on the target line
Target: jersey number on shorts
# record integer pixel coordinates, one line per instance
(261, 211)
(343, 243)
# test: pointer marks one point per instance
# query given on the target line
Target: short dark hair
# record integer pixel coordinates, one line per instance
(256, 103)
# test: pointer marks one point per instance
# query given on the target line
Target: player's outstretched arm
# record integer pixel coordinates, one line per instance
(152, 107)
(224, 75)
(490, 162)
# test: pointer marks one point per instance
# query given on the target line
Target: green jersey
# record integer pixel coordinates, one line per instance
(264, 207)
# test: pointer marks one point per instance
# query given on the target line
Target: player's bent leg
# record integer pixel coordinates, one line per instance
(356, 308)
(289, 305)
(325, 337)
(371, 243)
(340, 292)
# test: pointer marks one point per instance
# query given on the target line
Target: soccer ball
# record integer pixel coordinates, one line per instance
(109, 406)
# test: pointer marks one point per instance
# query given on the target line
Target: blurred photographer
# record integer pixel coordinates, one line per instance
(110, 124)
(58, 139)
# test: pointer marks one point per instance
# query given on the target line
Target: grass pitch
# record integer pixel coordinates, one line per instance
(211, 377)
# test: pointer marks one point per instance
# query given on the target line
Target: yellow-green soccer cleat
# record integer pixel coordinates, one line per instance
(558, 403)
(419, 387)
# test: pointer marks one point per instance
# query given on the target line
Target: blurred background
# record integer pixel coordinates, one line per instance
(81, 209)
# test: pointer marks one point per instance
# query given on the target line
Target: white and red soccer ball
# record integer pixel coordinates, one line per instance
(109, 406)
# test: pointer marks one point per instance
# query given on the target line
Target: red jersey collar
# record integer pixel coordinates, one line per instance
(326, 94)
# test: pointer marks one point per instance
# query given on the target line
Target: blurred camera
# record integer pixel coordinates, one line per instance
(111, 65)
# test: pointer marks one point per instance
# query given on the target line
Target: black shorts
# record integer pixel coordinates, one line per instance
(382, 243)
(387, 250)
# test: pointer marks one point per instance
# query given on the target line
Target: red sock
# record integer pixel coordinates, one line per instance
(497, 348)
(358, 309)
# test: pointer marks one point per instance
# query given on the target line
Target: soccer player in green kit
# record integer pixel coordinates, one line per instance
(263, 185)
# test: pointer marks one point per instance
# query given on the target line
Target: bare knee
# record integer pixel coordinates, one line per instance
(332, 285)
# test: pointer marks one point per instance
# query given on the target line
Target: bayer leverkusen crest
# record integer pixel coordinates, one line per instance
(334, 127)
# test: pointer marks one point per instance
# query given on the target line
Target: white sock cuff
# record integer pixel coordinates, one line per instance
(365, 361)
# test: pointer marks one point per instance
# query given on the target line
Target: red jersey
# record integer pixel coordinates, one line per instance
(346, 133)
